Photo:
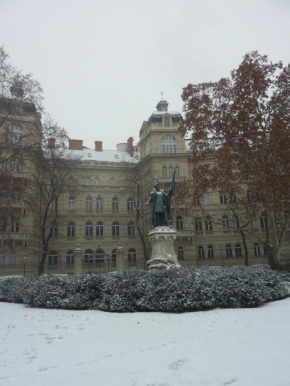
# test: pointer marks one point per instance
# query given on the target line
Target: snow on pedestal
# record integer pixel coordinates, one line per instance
(163, 254)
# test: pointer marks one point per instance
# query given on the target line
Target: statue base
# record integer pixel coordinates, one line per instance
(163, 255)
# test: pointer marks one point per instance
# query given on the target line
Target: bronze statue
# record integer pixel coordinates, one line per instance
(160, 204)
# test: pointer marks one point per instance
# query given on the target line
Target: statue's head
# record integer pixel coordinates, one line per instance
(157, 186)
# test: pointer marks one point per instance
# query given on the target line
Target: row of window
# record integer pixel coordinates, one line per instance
(98, 231)
(14, 226)
(91, 257)
(168, 171)
(231, 251)
(89, 204)
(225, 222)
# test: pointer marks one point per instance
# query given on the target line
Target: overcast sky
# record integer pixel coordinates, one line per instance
(104, 63)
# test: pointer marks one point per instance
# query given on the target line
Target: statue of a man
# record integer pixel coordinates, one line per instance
(160, 204)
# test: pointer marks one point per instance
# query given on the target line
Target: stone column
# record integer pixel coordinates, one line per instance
(78, 260)
(120, 260)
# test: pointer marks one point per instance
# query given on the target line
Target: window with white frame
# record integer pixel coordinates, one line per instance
(179, 223)
(87, 181)
(164, 171)
(236, 221)
(170, 171)
(166, 121)
(52, 258)
(89, 229)
(210, 252)
(200, 252)
(198, 224)
(223, 198)
(100, 205)
(112, 182)
(168, 144)
(97, 181)
(115, 229)
(89, 204)
(14, 135)
(53, 231)
(130, 204)
(115, 204)
(208, 224)
(99, 229)
(225, 223)
(264, 221)
(71, 229)
(176, 171)
(180, 253)
(131, 229)
(69, 257)
(71, 203)
(53, 205)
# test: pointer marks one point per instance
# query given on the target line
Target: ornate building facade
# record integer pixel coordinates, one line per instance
(103, 208)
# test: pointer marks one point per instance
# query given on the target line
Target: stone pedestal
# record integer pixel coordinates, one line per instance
(163, 255)
(78, 260)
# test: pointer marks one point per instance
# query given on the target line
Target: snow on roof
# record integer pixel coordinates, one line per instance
(105, 155)
(172, 112)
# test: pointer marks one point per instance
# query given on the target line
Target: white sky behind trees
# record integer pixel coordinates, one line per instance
(103, 64)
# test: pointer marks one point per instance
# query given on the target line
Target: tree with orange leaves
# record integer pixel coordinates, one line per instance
(240, 140)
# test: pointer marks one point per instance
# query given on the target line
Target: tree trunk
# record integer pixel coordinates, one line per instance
(275, 258)
(42, 261)
(245, 248)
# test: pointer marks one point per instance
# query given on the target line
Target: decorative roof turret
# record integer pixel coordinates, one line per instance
(162, 106)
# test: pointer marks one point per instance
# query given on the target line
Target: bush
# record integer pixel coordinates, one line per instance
(173, 290)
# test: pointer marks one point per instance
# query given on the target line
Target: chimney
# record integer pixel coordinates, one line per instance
(76, 144)
(130, 148)
(51, 143)
(98, 145)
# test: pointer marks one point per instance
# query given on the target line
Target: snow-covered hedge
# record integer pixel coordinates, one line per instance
(173, 290)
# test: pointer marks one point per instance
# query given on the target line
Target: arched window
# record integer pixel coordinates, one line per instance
(257, 251)
(89, 229)
(14, 226)
(236, 221)
(200, 252)
(100, 204)
(223, 198)
(89, 204)
(97, 181)
(132, 256)
(99, 229)
(164, 171)
(208, 224)
(168, 144)
(170, 171)
(131, 228)
(87, 181)
(89, 256)
(210, 253)
(198, 224)
(115, 229)
(180, 253)
(71, 229)
(52, 258)
(69, 257)
(238, 250)
(176, 171)
(112, 182)
(130, 204)
(229, 252)
(115, 204)
(14, 135)
(225, 223)
(100, 256)
(179, 223)
(114, 257)
(71, 203)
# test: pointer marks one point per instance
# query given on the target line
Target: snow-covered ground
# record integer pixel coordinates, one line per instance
(249, 347)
